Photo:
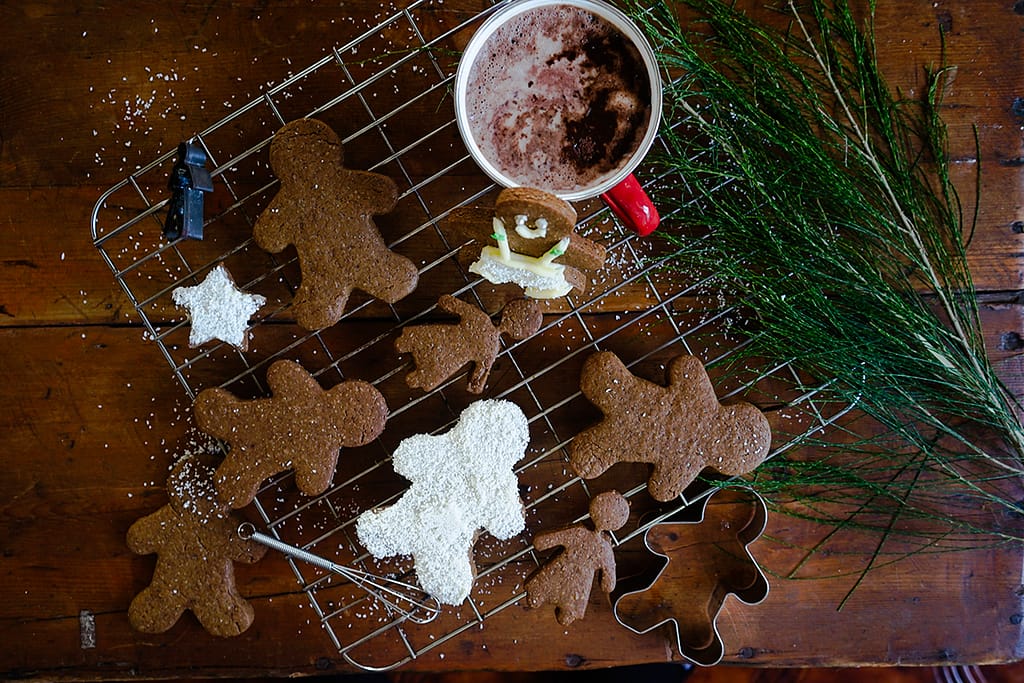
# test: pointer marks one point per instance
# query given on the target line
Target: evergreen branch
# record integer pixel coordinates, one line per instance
(824, 206)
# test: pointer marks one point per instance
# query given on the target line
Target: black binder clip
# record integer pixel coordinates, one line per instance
(189, 180)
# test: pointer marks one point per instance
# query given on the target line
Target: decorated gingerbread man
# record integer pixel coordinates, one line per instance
(195, 542)
(299, 427)
(462, 481)
(703, 562)
(441, 350)
(528, 237)
(680, 429)
(567, 578)
(326, 211)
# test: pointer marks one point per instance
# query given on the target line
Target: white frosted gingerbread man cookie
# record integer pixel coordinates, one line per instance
(462, 481)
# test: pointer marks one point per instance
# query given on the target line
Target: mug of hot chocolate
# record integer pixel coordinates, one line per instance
(562, 96)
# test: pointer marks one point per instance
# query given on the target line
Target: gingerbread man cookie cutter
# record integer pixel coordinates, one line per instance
(702, 562)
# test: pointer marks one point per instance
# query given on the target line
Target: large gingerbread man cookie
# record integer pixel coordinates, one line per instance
(299, 427)
(326, 211)
(195, 542)
(528, 237)
(680, 429)
(462, 481)
(702, 563)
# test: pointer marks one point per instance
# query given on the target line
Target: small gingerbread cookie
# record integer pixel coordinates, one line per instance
(529, 239)
(462, 481)
(566, 579)
(326, 211)
(681, 429)
(195, 542)
(441, 350)
(218, 309)
(299, 427)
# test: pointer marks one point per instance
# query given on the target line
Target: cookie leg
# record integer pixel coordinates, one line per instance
(156, 609)
(446, 572)
(223, 612)
(236, 484)
(668, 481)
(386, 275)
(589, 454)
(313, 479)
(434, 364)
(320, 301)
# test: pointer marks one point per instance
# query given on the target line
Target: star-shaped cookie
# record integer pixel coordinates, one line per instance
(218, 309)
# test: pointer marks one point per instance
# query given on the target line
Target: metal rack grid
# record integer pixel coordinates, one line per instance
(412, 138)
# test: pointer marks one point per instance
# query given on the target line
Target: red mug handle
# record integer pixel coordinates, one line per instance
(630, 203)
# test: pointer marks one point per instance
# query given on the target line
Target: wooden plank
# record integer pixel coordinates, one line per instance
(93, 413)
(94, 418)
(52, 274)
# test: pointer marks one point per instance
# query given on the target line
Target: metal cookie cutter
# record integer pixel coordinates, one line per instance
(704, 561)
(189, 180)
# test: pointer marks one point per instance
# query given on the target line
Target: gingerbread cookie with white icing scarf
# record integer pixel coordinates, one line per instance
(528, 237)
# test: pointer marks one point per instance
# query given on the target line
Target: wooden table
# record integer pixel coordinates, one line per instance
(93, 414)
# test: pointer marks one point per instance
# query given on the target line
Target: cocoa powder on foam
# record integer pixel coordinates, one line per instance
(558, 98)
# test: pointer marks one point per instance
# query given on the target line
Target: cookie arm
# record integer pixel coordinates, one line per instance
(457, 306)
(146, 535)
(546, 540)
(213, 410)
(377, 193)
(470, 223)
(605, 380)
(275, 227)
(607, 561)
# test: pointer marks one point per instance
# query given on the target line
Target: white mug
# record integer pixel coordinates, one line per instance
(619, 188)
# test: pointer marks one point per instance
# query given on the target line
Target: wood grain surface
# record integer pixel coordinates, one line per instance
(93, 414)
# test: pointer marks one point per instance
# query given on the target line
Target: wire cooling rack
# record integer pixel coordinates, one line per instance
(635, 307)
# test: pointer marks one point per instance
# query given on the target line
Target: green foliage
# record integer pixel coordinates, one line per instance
(823, 205)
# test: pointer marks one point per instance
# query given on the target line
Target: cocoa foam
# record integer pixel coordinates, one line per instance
(558, 98)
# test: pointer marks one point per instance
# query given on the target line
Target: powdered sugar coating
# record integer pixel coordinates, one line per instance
(218, 309)
(462, 481)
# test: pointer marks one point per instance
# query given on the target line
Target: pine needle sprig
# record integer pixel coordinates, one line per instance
(823, 203)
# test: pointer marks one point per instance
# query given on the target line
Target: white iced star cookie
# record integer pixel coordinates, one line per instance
(462, 481)
(218, 309)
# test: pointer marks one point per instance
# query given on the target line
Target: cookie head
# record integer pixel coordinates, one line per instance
(521, 318)
(363, 408)
(303, 143)
(191, 491)
(609, 511)
(532, 215)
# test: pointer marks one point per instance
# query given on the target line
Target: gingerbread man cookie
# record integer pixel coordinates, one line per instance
(299, 427)
(702, 563)
(681, 429)
(462, 481)
(326, 211)
(441, 350)
(195, 542)
(566, 579)
(529, 239)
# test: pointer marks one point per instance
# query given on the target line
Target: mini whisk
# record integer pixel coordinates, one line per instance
(392, 593)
